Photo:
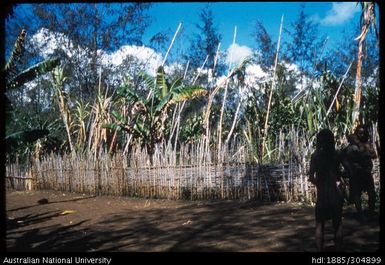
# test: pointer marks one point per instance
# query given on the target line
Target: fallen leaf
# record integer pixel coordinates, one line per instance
(67, 212)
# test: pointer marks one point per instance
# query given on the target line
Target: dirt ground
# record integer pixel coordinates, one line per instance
(83, 223)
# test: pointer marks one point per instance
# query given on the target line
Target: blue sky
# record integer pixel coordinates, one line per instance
(333, 17)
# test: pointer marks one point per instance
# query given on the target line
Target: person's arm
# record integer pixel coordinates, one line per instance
(342, 154)
(312, 170)
(371, 151)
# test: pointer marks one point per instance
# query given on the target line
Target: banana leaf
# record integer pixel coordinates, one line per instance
(165, 100)
(112, 126)
(21, 137)
(161, 82)
(131, 94)
(149, 80)
(32, 72)
(187, 93)
(10, 68)
(177, 83)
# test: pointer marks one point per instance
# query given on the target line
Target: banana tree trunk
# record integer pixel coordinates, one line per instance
(65, 116)
(358, 86)
(368, 18)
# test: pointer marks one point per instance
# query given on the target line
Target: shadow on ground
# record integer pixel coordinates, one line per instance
(202, 227)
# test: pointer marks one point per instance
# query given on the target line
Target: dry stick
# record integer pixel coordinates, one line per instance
(234, 122)
(127, 144)
(62, 106)
(173, 125)
(176, 127)
(216, 58)
(338, 90)
(224, 103)
(207, 135)
(172, 42)
(183, 104)
(91, 126)
(271, 91)
(65, 115)
(168, 51)
(96, 120)
(212, 95)
(164, 61)
(198, 74)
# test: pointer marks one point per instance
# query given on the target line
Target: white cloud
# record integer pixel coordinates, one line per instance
(256, 71)
(142, 54)
(237, 53)
(46, 42)
(340, 13)
(174, 67)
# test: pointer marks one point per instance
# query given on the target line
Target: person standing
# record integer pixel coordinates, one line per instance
(325, 174)
(359, 155)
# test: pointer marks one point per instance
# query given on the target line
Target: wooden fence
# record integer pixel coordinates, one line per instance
(191, 177)
(188, 173)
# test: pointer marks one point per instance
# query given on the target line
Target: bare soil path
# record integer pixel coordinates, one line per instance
(83, 223)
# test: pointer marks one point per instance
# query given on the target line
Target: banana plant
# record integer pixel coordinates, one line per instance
(14, 79)
(193, 129)
(149, 115)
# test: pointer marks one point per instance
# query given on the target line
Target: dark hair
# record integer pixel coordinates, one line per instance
(325, 141)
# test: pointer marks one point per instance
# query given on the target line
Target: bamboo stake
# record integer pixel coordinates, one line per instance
(224, 102)
(338, 90)
(234, 122)
(175, 125)
(168, 51)
(271, 91)
(198, 73)
(183, 104)
(216, 59)
(59, 78)
(172, 42)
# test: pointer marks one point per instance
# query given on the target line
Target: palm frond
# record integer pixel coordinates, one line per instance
(162, 104)
(177, 83)
(34, 71)
(187, 93)
(131, 94)
(148, 80)
(10, 69)
(161, 82)
(27, 136)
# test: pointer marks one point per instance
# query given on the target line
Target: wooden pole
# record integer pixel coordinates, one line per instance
(271, 91)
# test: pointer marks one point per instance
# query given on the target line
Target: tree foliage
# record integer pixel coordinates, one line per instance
(305, 44)
(148, 121)
(205, 42)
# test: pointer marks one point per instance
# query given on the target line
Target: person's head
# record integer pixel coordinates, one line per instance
(325, 141)
(352, 139)
(362, 133)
